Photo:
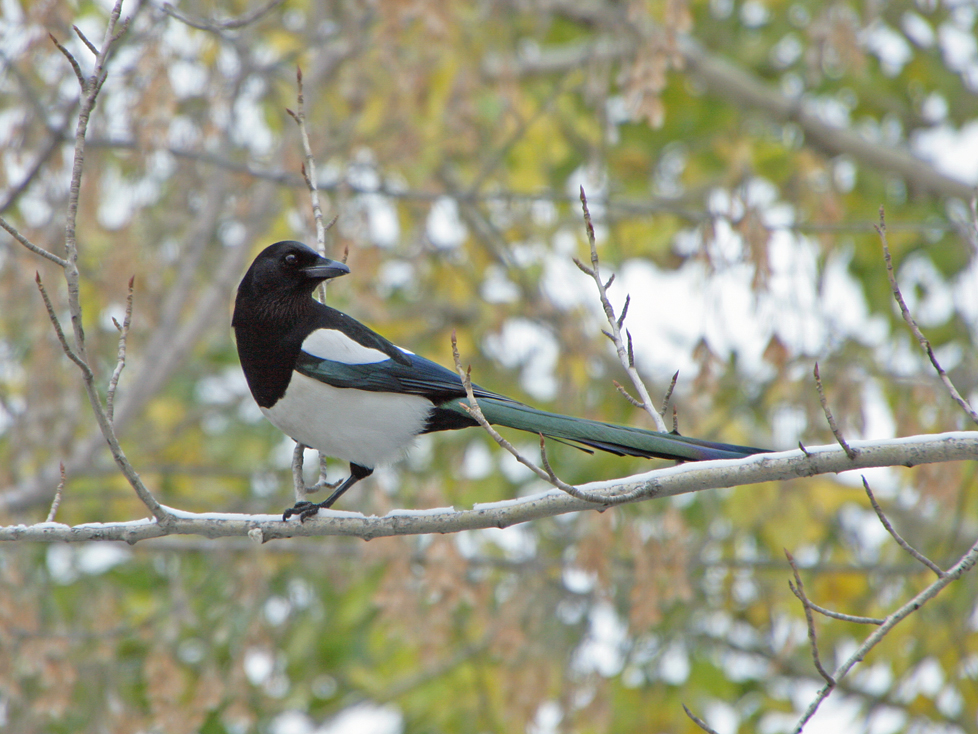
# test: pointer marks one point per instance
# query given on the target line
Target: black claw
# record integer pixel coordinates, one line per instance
(301, 509)
(309, 512)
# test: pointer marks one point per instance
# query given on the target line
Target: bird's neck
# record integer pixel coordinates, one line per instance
(269, 338)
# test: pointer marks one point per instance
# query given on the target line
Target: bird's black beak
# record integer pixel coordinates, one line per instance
(325, 269)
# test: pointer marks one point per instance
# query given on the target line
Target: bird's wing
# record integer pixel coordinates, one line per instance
(412, 375)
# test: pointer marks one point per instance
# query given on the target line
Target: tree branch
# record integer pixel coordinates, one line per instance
(745, 90)
(667, 482)
(964, 564)
(921, 339)
(625, 355)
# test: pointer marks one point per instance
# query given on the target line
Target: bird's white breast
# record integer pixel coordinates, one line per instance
(364, 427)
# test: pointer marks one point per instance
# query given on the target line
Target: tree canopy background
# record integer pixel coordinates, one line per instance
(735, 155)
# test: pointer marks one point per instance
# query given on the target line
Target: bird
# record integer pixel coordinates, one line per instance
(337, 386)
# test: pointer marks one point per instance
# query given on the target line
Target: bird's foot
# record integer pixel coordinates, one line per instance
(304, 510)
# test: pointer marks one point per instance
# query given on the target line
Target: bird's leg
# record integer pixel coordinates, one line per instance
(305, 509)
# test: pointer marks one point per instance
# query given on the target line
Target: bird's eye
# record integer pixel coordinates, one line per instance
(291, 259)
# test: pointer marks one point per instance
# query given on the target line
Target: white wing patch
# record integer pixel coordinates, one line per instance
(338, 347)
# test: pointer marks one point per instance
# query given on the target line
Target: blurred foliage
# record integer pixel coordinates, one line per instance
(451, 139)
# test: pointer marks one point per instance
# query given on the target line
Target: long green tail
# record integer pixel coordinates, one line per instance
(615, 439)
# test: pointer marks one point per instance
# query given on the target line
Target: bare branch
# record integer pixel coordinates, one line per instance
(896, 536)
(120, 354)
(83, 83)
(625, 355)
(309, 171)
(828, 416)
(745, 90)
(84, 39)
(90, 91)
(625, 394)
(698, 721)
(56, 323)
(57, 496)
(666, 482)
(964, 564)
(547, 474)
(839, 615)
(298, 483)
(223, 25)
(921, 339)
(668, 396)
(13, 231)
(570, 489)
(798, 588)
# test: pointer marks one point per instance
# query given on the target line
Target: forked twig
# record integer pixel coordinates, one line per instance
(850, 452)
(91, 86)
(896, 536)
(964, 564)
(921, 339)
(798, 588)
(625, 353)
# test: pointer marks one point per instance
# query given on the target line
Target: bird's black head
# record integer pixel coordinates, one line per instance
(283, 276)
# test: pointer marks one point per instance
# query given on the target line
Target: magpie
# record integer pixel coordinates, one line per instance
(335, 385)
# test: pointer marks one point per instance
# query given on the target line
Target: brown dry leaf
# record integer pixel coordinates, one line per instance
(661, 569)
(593, 551)
(776, 353)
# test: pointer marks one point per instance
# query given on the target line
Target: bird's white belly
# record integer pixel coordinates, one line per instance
(366, 428)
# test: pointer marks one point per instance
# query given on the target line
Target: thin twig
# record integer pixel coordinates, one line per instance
(668, 396)
(13, 231)
(84, 39)
(57, 496)
(921, 339)
(309, 171)
(625, 354)
(624, 393)
(839, 615)
(828, 416)
(698, 721)
(56, 323)
(896, 536)
(74, 63)
(571, 489)
(120, 364)
(799, 590)
(547, 474)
